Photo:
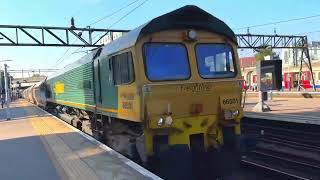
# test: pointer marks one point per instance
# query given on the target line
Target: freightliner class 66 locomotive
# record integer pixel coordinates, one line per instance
(170, 85)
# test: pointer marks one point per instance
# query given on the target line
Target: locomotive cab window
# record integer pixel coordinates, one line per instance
(166, 61)
(215, 60)
(122, 67)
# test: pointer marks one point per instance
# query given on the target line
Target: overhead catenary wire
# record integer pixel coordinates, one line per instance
(121, 18)
(278, 22)
(114, 12)
(309, 32)
(63, 55)
(127, 14)
(111, 14)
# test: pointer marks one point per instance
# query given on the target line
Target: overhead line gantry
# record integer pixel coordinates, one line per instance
(44, 35)
(258, 41)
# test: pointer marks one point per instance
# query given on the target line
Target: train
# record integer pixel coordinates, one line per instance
(171, 88)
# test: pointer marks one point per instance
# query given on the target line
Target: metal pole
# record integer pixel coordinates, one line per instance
(6, 84)
(300, 70)
(289, 77)
(310, 68)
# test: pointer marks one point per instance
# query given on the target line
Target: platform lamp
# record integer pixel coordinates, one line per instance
(6, 89)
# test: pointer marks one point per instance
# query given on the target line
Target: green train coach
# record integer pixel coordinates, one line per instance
(170, 85)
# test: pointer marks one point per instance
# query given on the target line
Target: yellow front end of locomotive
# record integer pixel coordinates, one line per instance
(178, 131)
(196, 114)
(197, 107)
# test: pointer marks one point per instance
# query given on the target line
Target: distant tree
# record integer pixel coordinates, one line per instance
(262, 53)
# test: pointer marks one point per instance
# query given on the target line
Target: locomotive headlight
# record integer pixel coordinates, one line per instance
(192, 34)
(161, 122)
(231, 114)
(235, 113)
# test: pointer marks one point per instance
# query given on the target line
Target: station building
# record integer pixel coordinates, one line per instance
(290, 68)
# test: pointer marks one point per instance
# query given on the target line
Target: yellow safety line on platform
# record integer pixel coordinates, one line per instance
(72, 165)
(78, 156)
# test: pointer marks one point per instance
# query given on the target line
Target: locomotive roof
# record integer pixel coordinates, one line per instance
(84, 60)
(187, 17)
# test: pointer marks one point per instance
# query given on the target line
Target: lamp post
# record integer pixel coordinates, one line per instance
(6, 89)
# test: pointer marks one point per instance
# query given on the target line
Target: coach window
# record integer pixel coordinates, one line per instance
(122, 67)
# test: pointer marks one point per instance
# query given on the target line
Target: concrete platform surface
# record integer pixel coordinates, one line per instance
(36, 145)
(288, 94)
(304, 110)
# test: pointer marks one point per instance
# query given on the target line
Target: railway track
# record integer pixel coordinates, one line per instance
(288, 150)
(267, 169)
(285, 166)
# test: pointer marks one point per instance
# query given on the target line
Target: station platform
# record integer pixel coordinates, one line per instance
(287, 94)
(36, 145)
(299, 110)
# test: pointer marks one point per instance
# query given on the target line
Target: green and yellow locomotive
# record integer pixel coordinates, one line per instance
(172, 82)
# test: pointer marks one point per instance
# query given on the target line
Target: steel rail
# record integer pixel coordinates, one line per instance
(273, 169)
(286, 159)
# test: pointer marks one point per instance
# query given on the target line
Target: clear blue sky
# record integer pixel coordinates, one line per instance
(236, 13)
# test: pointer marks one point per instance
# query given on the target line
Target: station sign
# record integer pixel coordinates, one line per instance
(269, 75)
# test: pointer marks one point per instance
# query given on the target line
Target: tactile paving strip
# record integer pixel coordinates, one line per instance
(72, 165)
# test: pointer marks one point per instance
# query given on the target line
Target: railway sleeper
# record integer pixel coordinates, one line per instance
(281, 126)
(294, 170)
(298, 135)
(289, 157)
(292, 142)
(294, 151)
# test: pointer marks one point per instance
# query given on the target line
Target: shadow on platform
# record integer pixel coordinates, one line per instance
(21, 112)
(28, 158)
(25, 158)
